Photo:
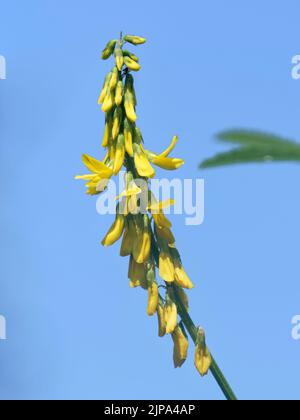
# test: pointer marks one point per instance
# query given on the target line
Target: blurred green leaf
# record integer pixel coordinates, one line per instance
(255, 147)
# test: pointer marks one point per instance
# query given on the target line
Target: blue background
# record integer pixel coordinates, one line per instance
(75, 329)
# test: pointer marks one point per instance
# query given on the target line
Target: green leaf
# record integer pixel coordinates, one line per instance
(255, 147)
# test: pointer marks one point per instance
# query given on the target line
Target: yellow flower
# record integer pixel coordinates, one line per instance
(203, 359)
(135, 40)
(170, 164)
(109, 49)
(181, 278)
(127, 241)
(165, 162)
(130, 196)
(142, 243)
(120, 154)
(100, 176)
(114, 79)
(152, 298)
(104, 89)
(115, 232)
(161, 320)
(181, 346)
(156, 210)
(119, 93)
(166, 266)
(118, 114)
(171, 316)
(165, 234)
(142, 163)
(137, 274)
(109, 101)
(128, 137)
(131, 64)
(119, 57)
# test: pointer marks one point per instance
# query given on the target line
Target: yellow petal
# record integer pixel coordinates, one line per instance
(170, 164)
(115, 232)
(96, 166)
(170, 148)
(143, 165)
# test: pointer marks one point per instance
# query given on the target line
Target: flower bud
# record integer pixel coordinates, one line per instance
(109, 49)
(203, 359)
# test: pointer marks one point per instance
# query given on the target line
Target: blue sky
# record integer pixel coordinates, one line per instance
(75, 329)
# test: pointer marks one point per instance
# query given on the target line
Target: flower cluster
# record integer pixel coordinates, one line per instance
(147, 237)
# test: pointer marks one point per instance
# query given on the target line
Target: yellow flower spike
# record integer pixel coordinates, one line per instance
(142, 163)
(109, 49)
(119, 93)
(128, 137)
(153, 296)
(142, 243)
(120, 154)
(131, 64)
(117, 120)
(161, 319)
(169, 164)
(166, 266)
(203, 359)
(135, 40)
(119, 58)
(171, 315)
(104, 89)
(181, 346)
(137, 274)
(115, 232)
